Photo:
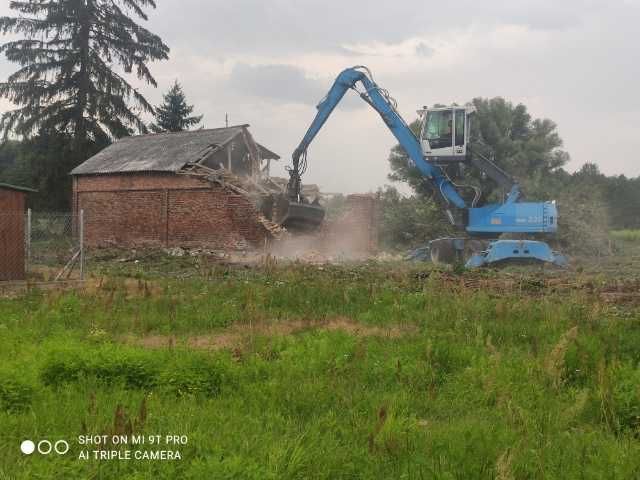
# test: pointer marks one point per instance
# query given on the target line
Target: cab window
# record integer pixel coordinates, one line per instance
(459, 128)
(438, 129)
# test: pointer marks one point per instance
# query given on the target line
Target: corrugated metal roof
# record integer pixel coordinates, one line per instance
(161, 152)
(16, 187)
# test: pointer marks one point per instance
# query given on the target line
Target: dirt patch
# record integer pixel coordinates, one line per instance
(236, 336)
(353, 328)
(619, 291)
(619, 298)
(205, 342)
(131, 287)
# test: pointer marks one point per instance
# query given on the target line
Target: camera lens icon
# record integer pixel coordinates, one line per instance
(44, 447)
(61, 447)
(27, 447)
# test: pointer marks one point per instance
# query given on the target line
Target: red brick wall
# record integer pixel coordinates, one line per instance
(197, 216)
(12, 209)
(159, 209)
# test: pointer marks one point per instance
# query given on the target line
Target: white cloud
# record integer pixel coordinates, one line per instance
(280, 83)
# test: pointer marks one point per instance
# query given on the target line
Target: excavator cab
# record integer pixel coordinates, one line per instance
(444, 134)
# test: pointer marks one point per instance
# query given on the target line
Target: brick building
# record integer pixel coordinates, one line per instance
(140, 191)
(12, 231)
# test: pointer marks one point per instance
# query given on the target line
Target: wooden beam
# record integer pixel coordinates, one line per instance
(254, 151)
(216, 148)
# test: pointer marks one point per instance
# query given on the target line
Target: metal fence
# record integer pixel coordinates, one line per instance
(41, 246)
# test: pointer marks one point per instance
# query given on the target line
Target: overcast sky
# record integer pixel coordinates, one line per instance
(268, 62)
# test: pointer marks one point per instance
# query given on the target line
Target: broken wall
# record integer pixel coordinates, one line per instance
(165, 210)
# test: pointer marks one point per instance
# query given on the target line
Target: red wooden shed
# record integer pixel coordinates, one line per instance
(12, 235)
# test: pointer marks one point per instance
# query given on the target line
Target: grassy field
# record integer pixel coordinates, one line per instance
(353, 371)
(626, 235)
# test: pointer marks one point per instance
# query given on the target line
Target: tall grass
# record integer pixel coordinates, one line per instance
(626, 235)
(523, 383)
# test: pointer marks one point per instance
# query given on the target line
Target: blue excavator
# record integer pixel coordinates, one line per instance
(443, 141)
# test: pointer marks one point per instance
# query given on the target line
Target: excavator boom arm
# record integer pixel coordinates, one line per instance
(380, 101)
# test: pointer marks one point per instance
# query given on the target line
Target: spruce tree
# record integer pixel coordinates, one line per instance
(174, 113)
(70, 57)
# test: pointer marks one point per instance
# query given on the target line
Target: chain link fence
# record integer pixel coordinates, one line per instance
(41, 246)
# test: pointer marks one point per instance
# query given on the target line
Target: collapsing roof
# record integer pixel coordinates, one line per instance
(169, 152)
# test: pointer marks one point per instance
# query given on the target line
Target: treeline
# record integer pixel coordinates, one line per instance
(590, 205)
(620, 195)
(43, 162)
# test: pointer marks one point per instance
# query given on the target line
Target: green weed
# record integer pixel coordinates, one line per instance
(626, 235)
(15, 394)
(111, 365)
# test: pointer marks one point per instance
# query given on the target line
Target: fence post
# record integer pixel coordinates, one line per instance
(28, 240)
(81, 220)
